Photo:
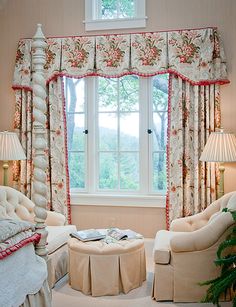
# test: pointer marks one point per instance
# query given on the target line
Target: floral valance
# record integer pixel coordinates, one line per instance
(194, 55)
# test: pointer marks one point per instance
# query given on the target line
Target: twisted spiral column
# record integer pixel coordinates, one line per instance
(39, 194)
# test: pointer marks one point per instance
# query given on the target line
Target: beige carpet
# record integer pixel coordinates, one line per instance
(64, 296)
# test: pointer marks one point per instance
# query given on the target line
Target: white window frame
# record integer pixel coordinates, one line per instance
(93, 22)
(145, 197)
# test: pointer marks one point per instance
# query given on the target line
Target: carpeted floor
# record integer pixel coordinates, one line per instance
(64, 296)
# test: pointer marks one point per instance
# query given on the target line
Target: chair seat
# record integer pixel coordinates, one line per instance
(58, 236)
(161, 251)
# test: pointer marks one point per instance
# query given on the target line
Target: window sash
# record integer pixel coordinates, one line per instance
(93, 19)
(145, 140)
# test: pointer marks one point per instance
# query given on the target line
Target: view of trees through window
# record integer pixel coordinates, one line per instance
(104, 121)
(110, 9)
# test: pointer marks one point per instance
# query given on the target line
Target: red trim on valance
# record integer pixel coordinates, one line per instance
(170, 71)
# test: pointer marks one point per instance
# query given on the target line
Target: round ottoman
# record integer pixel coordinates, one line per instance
(98, 268)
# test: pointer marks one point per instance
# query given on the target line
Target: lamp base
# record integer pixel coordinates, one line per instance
(5, 172)
(221, 184)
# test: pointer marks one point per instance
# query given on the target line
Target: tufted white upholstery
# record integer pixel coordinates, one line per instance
(184, 256)
(15, 205)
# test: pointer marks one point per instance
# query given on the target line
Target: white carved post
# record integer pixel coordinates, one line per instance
(39, 194)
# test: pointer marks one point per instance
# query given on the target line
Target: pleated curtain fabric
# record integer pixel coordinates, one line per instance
(194, 112)
(56, 153)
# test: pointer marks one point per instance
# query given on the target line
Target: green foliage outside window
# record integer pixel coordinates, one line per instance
(119, 97)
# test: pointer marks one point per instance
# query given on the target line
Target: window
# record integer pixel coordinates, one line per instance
(114, 14)
(117, 132)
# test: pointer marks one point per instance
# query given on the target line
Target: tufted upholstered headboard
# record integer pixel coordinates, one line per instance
(15, 205)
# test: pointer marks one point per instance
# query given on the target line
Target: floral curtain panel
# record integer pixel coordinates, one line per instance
(196, 62)
(194, 112)
(57, 168)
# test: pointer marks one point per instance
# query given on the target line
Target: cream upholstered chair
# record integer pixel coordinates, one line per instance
(184, 256)
(15, 205)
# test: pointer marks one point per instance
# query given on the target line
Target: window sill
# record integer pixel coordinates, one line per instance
(80, 199)
(111, 24)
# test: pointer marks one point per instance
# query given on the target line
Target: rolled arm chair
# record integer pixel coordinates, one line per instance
(184, 256)
(15, 205)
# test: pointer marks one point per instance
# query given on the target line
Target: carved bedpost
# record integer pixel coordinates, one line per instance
(39, 194)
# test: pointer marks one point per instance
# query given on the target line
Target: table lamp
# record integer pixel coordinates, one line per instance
(220, 147)
(10, 150)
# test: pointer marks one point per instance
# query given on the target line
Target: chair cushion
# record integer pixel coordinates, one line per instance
(58, 236)
(232, 202)
(161, 251)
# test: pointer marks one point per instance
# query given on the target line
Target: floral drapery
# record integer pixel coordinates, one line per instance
(193, 57)
(57, 168)
(194, 112)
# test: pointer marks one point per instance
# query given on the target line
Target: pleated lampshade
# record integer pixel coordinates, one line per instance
(10, 147)
(220, 147)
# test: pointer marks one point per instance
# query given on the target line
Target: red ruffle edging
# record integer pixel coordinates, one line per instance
(8, 251)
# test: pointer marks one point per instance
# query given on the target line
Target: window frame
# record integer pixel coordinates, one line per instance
(93, 22)
(91, 195)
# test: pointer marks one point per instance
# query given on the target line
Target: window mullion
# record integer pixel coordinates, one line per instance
(150, 136)
(91, 90)
(143, 115)
(118, 132)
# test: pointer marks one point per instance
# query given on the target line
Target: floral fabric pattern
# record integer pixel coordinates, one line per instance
(22, 73)
(194, 55)
(53, 56)
(77, 56)
(57, 184)
(112, 54)
(148, 52)
(60, 200)
(194, 114)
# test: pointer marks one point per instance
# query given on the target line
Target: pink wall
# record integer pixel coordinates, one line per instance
(65, 17)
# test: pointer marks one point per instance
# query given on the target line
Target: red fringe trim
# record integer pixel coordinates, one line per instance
(66, 155)
(8, 251)
(94, 74)
(168, 155)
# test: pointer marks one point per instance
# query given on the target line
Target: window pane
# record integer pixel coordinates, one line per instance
(75, 135)
(159, 131)
(159, 171)
(129, 93)
(75, 95)
(108, 167)
(76, 169)
(160, 92)
(129, 171)
(126, 8)
(111, 9)
(129, 131)
(107, 94)
(107, 123)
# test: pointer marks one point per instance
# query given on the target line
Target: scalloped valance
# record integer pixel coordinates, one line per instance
(194, 55)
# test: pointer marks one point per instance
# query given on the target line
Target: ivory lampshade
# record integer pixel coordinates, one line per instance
(10, 149)
(220, 147)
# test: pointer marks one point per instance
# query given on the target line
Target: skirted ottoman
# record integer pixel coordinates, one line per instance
(98, 268)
